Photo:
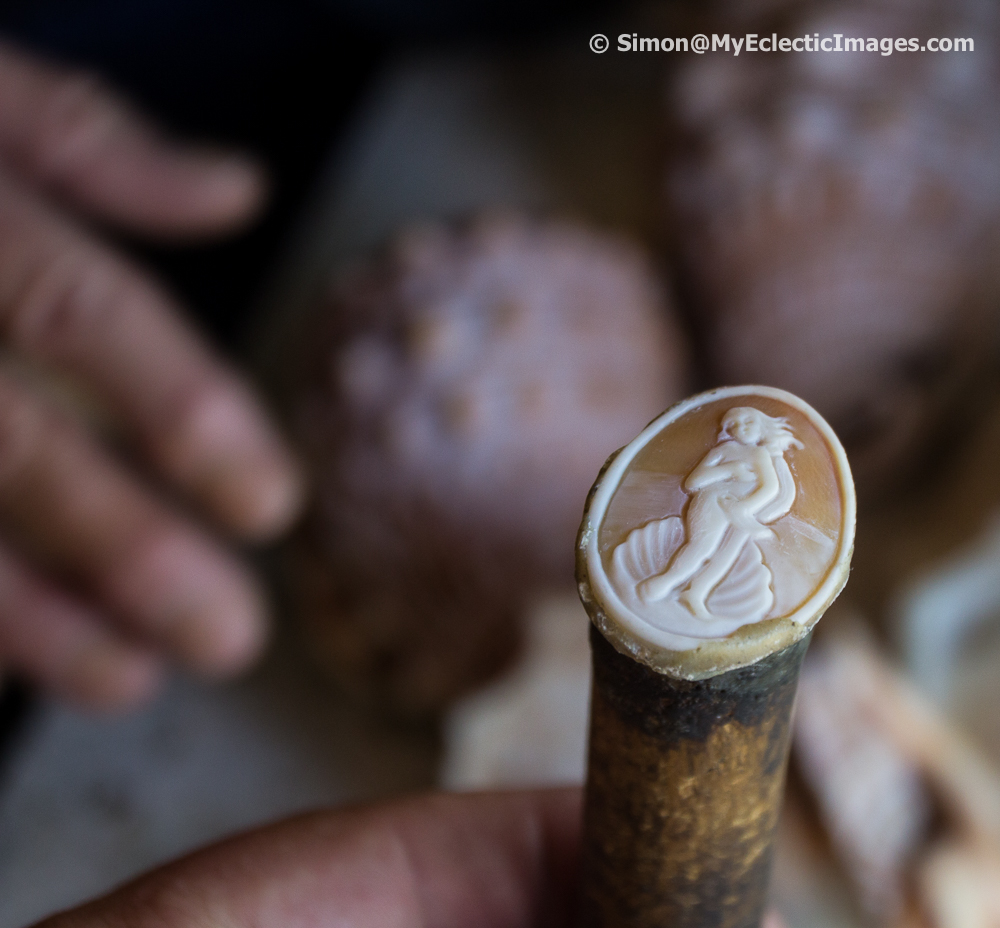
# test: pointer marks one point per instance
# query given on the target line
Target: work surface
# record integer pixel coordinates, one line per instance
(88, 802)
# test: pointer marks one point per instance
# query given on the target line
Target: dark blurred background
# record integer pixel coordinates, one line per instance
(277, 79)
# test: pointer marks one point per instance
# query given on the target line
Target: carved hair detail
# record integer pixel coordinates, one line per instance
(775, 433)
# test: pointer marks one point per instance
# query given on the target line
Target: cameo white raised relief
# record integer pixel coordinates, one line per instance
(727, 511)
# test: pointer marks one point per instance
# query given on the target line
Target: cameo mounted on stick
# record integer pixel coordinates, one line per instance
(710, 546)
(734, 508)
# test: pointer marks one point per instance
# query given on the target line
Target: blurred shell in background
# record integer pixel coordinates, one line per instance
(871, 796)
(528, 728)
(836, 219)
(461, 393)
(912, 808)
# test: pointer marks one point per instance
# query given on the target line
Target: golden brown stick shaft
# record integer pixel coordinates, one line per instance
(683, 791)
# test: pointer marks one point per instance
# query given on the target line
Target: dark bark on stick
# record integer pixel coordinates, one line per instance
(684, 788)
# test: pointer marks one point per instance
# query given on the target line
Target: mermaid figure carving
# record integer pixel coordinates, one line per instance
(710, 565)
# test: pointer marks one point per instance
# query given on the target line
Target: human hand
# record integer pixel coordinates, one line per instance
(475, 861)
(101, 574)
(488, 860)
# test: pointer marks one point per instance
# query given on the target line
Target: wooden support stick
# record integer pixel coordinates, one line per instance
(710, 547)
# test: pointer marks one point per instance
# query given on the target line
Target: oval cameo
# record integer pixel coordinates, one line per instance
(734, 507)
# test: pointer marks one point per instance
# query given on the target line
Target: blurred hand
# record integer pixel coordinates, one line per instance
(487, 860)
(446, 861)
(100, 576)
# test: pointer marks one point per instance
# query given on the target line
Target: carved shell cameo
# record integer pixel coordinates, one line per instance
(730, 518)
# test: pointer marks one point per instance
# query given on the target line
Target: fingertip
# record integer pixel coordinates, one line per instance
(191, 597)
(230, 188)
(226, 637)
(109, 676)
(231, 457)
(176, 192)
(269, 500)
